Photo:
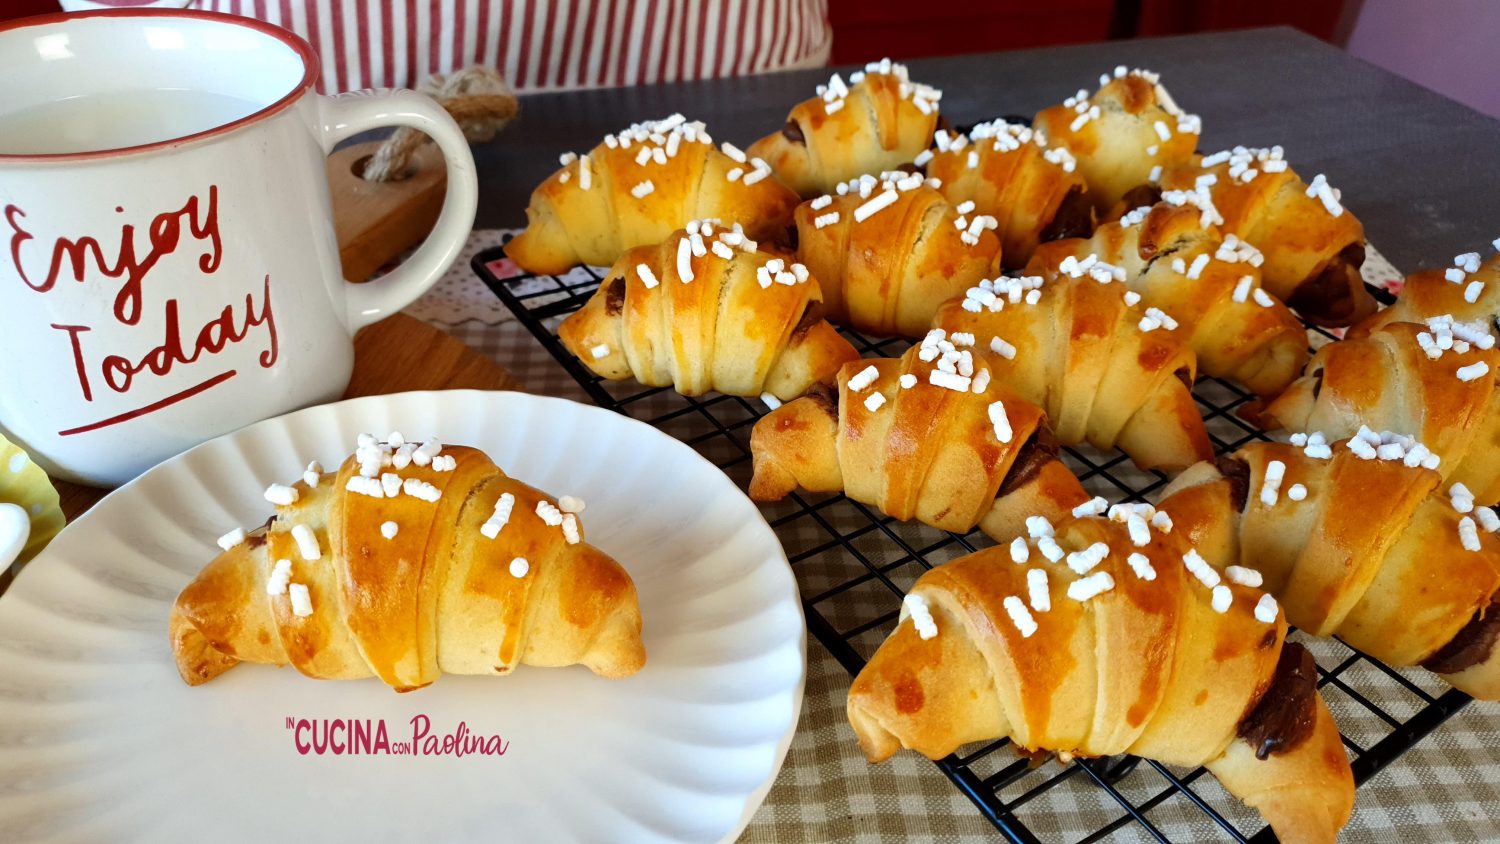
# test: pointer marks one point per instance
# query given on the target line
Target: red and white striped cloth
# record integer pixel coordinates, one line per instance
(540, 44)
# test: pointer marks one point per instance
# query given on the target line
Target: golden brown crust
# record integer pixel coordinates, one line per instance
(568, 224)
(1384, 380)
(877, 128)
(1113, 149)
(1147, 667)
(1080, 354)
(436, 597)
(889, 273)
(927, 452)
(1262, 347)
(1372, 554)
(1430, 293)
(1033, 200)
(721, 331)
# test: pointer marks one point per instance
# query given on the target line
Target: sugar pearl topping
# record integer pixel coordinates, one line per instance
(232, 538)
(1020, 616)
(915, 607)
(281, 575)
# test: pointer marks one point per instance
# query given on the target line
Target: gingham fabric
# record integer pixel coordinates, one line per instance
(1447, 788)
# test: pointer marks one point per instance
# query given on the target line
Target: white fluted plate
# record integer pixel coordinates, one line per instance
(101, 741)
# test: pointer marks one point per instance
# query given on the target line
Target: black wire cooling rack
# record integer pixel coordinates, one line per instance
(854, 564)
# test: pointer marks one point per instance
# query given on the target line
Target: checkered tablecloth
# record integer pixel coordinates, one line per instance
(1445, 789)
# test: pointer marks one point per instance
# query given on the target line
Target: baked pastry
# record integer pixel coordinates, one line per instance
(704, 310)
(1359, 541)
(929, 436)
(879, 121)
(1195, 281)
(889, 251)
(1084, 350)
(638, 187)
(409, 561)
(1094, 638)
(1004, 170)
(1313, 245)
(1468, 291)
(1435, 382)
(1123, 136)
(37, 515)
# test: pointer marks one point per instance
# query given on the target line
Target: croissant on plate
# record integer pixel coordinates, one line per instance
(879, 121)
(1313, 245)
(704, 310)
(1434, 382)
(1123, 136)
(1004, 170)
(1206, 286)
(929, 436)
(1468, 291)
(887, 252)
(1359, 543)
(1076, 348)
(1095, 638)
(408, 562)
(638, 187)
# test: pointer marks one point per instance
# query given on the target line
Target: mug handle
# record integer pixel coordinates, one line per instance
(345, 115)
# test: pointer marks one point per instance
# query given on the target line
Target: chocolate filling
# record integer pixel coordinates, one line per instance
(1074, 217)
(1329, 296)
(1285, 715)
(1237, 472)
(909, 167)
(1317, 377)
(793, 132)
(1471, 645)
(793, 237)
(1035, 453)
(1139, 196)
(258, 537)
(614, 296)
(1182, 374)
(825, 396)
(811, 315)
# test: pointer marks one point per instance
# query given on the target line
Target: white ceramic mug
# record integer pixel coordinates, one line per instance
(168, 265)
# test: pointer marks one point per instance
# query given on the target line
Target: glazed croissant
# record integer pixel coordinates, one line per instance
(1205, 285)
(879, 121)
(705, 311)
(637, 188)
(1390, 381)
(1313, 245)
(1468, 291)
(1085, 641)
(1005, 171)
(1123, 136)
(1362, 545)
(918, 438)
(1077, 349)
(436, 563)
(887, 252)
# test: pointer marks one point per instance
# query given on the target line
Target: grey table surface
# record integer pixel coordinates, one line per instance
(1421, 171)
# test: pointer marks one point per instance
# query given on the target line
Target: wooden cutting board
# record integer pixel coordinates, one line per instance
(395, 355)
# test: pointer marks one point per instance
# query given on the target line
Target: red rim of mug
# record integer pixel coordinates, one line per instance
(304, 51)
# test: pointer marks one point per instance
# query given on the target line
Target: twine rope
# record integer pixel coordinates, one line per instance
(477, 98)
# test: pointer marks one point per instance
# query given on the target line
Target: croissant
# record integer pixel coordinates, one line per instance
(1468, 291)
(705, 311)
(1075, 348)
(1435, 382)
(637, 188)
(1129, 646)
(1356, 541)
(1121, 135)
(879, 121)
(437, 563)
(929, 436)
(1005, 171)
(1313, 245)
(888, 252)
(1207, 286)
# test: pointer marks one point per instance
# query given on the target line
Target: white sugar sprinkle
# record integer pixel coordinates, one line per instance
(599, 351)
(1093, 507)
(1266, 609)
(1468, 534)
(1243, 576)
(1000, 421)
(864, 378)
(549, 513)
(281, 495)
(313, 476)
(1038, 527)
(1472, 371)
(1020, 552)
(875, 205)
(1200, 568)
(1140, 534)
(519, 567)
(307, 542)
(389, 529)
(641, 190)
(1297, 492)
(1222, 599)
(874, 402)
(570, 528)
(1020, 616)
(921, 617)
(1162, 521)
(1271, 485)
(301, 600)
(1141, 565)
(1089, 587)
(1038, 593)
(771, 401)
(1049, 548)
(281, 574)
(232, 538)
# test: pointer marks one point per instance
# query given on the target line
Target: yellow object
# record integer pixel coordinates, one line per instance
(23, 483)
